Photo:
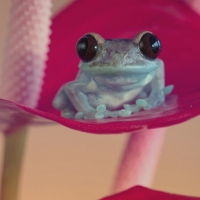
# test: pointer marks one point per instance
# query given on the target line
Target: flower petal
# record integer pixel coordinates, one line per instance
(172, 21)
(142, 193)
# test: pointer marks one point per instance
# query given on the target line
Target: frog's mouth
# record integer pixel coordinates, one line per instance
(112, 70)
(109, 69)
(128, 81)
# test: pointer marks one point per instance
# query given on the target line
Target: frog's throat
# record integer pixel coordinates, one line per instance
(120, 70)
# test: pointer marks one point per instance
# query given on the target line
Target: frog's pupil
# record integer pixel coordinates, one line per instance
(82, 46)
(87, 48)
(155, 44)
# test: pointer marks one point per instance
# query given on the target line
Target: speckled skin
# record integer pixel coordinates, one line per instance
(117, 76)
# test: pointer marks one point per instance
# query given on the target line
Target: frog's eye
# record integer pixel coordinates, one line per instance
(150, 46)
(87, 47)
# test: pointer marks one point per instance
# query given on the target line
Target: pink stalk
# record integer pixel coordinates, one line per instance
(22, 77)
(140, 159)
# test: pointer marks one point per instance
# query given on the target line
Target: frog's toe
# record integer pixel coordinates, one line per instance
(127, 106)
(141, 103)
(79, 115)
(124, 113)
(168, 89)
(99, 116)
(101, 108)
(67, 114)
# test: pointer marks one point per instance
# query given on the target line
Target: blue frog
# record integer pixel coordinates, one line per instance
(117, 78)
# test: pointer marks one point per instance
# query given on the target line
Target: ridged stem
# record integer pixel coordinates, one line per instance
(26, 51)
(22, 78)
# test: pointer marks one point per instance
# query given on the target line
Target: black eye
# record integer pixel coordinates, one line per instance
(150, 46)
(87, 48)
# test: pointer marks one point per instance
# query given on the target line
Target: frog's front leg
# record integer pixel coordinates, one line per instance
(76, 92)
(157, 85)
(61, 102)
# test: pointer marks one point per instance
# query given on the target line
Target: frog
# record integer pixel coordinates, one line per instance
(116, 78)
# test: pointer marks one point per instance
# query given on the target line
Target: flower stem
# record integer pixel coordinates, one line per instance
(140, 159)
(13, 155)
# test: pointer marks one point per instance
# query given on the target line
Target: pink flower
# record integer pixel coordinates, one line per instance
(174, 22)
(142, 193)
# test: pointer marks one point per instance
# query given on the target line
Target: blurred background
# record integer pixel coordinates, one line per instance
(61, 163)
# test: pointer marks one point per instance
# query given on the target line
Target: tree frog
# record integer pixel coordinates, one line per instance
(117, 78)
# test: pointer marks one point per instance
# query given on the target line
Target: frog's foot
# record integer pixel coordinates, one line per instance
(67, 113)
(79, 115)
(118, 113)
(96, 114)
(102, 112)
(168, 89)
(143, 104)
(152, 102)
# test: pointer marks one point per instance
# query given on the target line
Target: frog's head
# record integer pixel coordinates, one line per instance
(100, 56)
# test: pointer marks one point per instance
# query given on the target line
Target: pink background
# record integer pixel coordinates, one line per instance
(65, 164)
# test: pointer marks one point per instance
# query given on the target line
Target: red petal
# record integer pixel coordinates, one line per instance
(172, 21)
(141, 193)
